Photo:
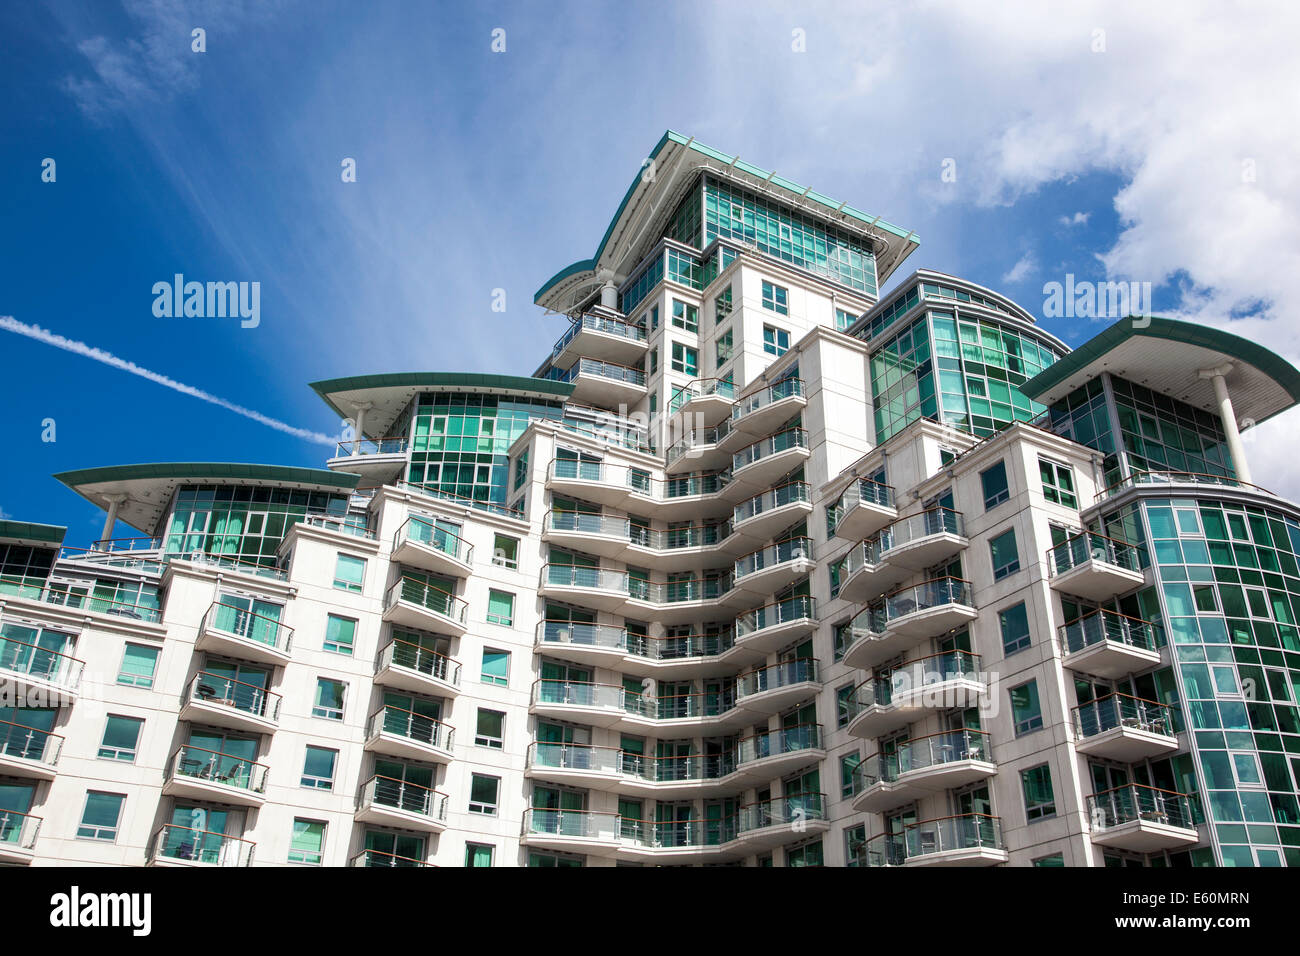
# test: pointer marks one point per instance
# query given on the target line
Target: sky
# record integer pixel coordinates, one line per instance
(492, 142)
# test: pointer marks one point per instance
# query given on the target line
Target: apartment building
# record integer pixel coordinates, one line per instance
(758, 568)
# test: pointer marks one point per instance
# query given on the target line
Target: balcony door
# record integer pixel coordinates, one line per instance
(393, 849)
(203, 834)
(404, 786)
(248, 617)
(226, 758)
(15, 802)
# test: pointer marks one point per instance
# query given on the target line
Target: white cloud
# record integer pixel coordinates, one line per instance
(1078, 219)
(1023, 267)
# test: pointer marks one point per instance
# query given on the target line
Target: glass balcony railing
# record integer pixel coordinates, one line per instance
(578, 694)
(1090, 546)
(426, 532)
(925, 524)
(709, 437)
(1177, 478)
(398, 653)
(580, 634)
(29, 743)
(774, 743)
(787, 494)
(256, 628)
(1121, 710)
(1110, 627)
(783, 552)
(934, 750)
(679, 647)
(970, 831)
(579, 576)
(370, 446)
(40, 663)
(213, 766)
(601, 324)
(354, 525)
(676, 769)
(1137, 803)
(574, 824)
(684, 591)
(417, 728)
(605, 370)
(772, 445)
(787, 388)
(18, 830)
(863, 491)
(574, 470)
(414, 591)
(777, 676)
(680, 706)
(582, 523)
(380, 858)
(915, 676)
(36, 589)
(204, 847)
(246, 698)
(577, 757)
(675, 539)
(926, 596)
(792, 609)
(381, 791)
(796, 808)
(864, 554)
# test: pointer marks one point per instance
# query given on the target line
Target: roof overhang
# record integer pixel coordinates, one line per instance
(1166, 355)
(147, 489)
(37, 535)
(386, 396)
(664, 178)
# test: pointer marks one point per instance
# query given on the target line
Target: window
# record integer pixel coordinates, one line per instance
(843, 638)
(1014, 622)
(775, 298)
(654, 317)
(724, 348)
(496, 667)
(478, 854)
(340, 634)
(138, 665)
(490, 729)
(1037, 784)
(855, 843)
(843, 320)
(994, 481)
(121, 738)
(521, 470)
(1056, 859)
(349, 573)
(505, 551)
(501, 607)
(685, 359)
(654, 403)
(844, 705)
(1006, 559)
(318, 768)
(686, 316)
(654, 360)
(329, 698)
(722, 305)
(810, 854)
(1026, 712)
(308, 842)
(483, 794)
(848, 764)
(1058, 483)
(775, 341)
(100, 817)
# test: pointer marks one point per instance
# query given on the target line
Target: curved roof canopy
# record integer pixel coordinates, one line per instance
(148, 489)
(387, 395)
(651, 199)
(1165, 355)
(25, 532)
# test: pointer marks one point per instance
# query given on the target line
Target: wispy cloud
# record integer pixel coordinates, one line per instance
(1078, 219)
(1025, 265)
(9, 324)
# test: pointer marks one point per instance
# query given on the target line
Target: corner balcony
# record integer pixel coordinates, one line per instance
(1124, 728)
(1141, 818)
(200, 774)
(397, 732)
(663, 715)
(776, 752)
(673, 841)
(706, 450)
(865, 507)
(587, 587)
(972, 839)
(911, 691)
(183, 846)
(595, 481)
(600, 338)
(765, 461)
(760, 413)
(578, 831)
(682, 601)
(770, 690)
(693, 548)
(408, 666)
(18, 837)
(378, 459)
(923, 540)
(775, 567)
(920, 767)
(584, 702)
(603, 384)
(709, 400)
(387, 801)
(420, 543)
(770, 823)
(235, 705)
(863, 575)
(231, 631)
(869, 644)
(599, 534)
(686, 655)
(772, 626)
(1111, 645)
(689, 497)
(930, 609)
(668, 778)
(39, 673)
(28, 752)
(1093, 566)
(774, 510)
(575, 765)
(414, 603)
(596, 645)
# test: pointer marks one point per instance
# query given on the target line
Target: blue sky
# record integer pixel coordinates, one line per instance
(479, 170)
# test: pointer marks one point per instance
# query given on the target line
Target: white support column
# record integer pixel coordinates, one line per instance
(114, 501)
(1229, 419)
(362, 408)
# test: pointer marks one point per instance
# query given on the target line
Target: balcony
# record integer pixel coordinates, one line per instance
(673, 841)
(397, 732)
(920, 767)
(18, 837)
(683, 600)
(770, 690)
(865, 508)
(378, 858)
(1124, 728)
(923, 540)
(907, 693)
(352, 525)
(710, 400)
(1141, 818)
(408, 666)
(772, 626)
(28, 752)
(760, 413)
(603, 384)
(601, 338)
(770, 823)
(574, 765)
(581, 701)
(1093, 566)
(414, 603)
(760, 464)
(211, 775)
(657, 713)
(705, 450)
(1110, 645)
(387, 801)
(693, 655)
(582, 831)
(184, 846)
(232, 631)
(869, 644)
(39, 673)
(376, 459)
(588, 587)
(673, 777)
(776, 752)
(972, 839)
(593, 480)
(692, 548)
(694, 496)
(771, 569)
(774, 510)
(599, 534)
(926, 610)
(598, 645)
(863, 575)
(235, 705)
(421, 543)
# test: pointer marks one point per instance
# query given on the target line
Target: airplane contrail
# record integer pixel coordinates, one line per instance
(10, 324)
